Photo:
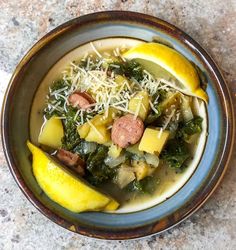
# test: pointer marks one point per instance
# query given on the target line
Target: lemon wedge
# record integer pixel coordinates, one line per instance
(161, 60)
(64, 188)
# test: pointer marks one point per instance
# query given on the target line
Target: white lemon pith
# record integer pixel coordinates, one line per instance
(171, 61)
(65, 189)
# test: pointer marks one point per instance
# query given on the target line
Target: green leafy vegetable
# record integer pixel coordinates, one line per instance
(59, 84)
(99, 172)
(144, 186)
(71, 137)
(175, 153)
(189, 128)
(152, 116)
(157, 99)
(130, 69)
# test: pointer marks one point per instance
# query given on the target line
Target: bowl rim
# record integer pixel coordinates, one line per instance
(148, 20)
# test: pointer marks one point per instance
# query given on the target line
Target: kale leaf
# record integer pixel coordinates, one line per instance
(159, 97)
(189, 128)
(144, 186)
(59, 84)
(99, 172)
(130, 69)
(152, 116)
(71, 137)
(175, 153)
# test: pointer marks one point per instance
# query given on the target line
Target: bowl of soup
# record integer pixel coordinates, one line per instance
(117, 125)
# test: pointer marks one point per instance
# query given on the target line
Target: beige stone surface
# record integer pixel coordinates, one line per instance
(212, 23)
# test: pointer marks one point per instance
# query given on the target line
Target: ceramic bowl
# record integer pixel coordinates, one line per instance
(26, 80)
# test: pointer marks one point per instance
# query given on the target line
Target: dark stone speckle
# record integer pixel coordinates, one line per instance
(15, 238)
(3, 212)
(15, 22)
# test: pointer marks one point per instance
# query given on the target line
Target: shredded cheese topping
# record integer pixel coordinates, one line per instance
(106, 90)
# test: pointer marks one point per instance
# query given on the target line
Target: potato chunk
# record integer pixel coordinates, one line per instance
(142, 169)
(153, 140)
(114, 151)
(95, 130)
(140, 103)
(105, 119)
(83, 130)
(98, 134)
(125, 175)
(52, 133)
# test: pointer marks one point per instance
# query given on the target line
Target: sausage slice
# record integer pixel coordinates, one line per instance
(127, 130)
(81, 100)
(73, 161)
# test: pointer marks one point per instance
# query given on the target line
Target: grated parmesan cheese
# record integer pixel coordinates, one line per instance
(95, 50)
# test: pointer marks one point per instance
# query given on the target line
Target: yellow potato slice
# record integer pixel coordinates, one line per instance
(52, 133)
(153, 140)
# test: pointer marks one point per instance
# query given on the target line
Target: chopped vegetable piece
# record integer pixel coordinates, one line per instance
(189, 128)
(139, 104)
(152, 116)
(105, 119)
(175, 153)
(114, 151)
(152, 159)
(171, 103)
(125, 175)
(144, 186)
(186, 110)
(114, 162)
(153, 140)
(71, 137)
(95, 130)
(98, 134)
(141, 169)
(52, 133)
(83, 130)
(130, 69)
(85, 148)
(98, 170)
(134, 149)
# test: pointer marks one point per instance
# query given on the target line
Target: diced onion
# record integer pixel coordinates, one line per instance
(187, 114)
(124, 176)
(113, 162)
(89, 147)
(152, 159)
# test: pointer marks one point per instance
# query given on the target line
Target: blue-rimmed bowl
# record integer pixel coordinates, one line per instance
(35, 65)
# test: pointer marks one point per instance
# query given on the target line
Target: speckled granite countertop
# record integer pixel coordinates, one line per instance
(212, 23)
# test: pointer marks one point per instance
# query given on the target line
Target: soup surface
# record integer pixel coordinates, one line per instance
(127, 130)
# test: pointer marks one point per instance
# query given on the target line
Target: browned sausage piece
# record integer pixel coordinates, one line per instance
(81, 100)
(71, 160)
(127, 130)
